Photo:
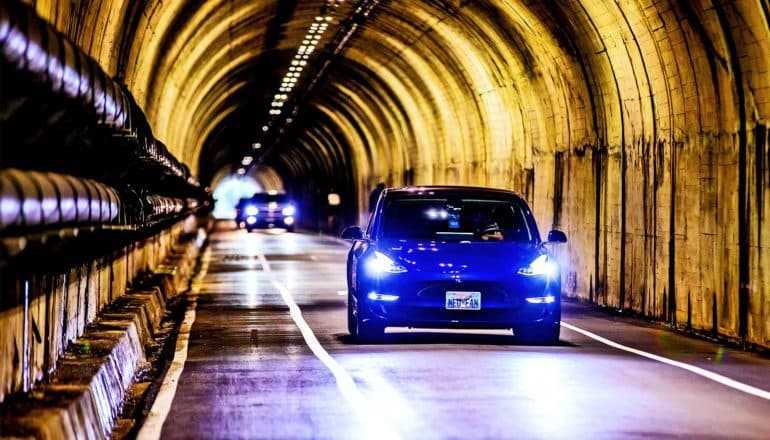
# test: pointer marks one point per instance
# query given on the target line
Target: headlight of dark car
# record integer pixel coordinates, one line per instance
(289, 211)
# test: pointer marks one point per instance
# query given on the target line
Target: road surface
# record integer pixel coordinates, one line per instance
(268, 356)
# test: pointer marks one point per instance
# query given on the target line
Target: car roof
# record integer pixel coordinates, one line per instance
(450, 190)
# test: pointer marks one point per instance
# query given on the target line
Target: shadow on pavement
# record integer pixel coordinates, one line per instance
(426, 338)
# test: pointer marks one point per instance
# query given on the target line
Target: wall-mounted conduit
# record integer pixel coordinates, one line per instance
(36, 201)
(55, 66)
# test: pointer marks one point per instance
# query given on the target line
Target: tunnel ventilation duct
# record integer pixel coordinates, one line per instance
(34, 47)
(50, 61)
(35, 204)
(32, 199)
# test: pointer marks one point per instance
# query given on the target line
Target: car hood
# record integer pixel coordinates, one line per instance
(460, 257)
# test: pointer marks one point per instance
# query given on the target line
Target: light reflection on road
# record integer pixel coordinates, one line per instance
(250, 372)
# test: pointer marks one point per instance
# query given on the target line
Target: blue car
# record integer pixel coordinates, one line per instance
(453, 257)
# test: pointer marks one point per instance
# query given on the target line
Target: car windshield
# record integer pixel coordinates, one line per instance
(263, 198)
(464, 219)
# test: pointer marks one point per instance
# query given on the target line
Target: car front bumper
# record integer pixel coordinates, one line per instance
(270, 221)
(423, 304)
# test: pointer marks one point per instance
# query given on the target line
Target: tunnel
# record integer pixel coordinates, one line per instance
(639, 128)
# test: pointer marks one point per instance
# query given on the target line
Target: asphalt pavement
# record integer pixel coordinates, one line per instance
(268, 356)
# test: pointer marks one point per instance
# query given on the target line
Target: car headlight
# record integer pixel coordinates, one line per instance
(548, 299)
(252, 210)
(289, 211)
(540, 266)
(379, 263)
(374, 296)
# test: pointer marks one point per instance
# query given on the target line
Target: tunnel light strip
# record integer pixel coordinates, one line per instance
(153, 424)
(310, 41)
(345, 382)
(732, 383)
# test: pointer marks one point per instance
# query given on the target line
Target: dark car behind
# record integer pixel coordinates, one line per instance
(267, 210)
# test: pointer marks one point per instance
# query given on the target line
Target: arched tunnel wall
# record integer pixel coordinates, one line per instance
(640, 128)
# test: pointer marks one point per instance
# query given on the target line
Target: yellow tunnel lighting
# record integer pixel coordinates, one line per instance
(506, 93)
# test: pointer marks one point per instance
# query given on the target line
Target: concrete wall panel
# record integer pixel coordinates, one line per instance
(60, 305)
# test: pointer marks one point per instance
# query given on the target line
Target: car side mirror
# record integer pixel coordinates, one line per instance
(352, 233)
(557, 237)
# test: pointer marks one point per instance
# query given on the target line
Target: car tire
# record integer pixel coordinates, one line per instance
(290, 229)
(363, 330)
(537, 334)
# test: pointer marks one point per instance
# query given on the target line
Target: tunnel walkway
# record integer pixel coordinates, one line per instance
(251, 373)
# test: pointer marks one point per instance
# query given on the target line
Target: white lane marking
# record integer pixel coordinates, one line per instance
(724, 380)
(345, 382)
(153, 424)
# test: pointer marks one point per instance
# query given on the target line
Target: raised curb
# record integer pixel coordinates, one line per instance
(85, 396)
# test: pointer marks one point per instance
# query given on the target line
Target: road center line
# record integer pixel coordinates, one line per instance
(153, 424)
(345, 382)
(724, 380)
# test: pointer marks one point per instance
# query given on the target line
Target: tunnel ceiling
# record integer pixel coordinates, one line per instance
(432, 91)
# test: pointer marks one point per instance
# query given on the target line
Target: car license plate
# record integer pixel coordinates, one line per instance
(463, 300)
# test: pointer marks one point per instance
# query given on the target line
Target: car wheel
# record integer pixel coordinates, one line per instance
(537, 334)
(363, 330)
(290, 229)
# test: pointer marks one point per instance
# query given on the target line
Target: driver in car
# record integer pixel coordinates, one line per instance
(490, 231)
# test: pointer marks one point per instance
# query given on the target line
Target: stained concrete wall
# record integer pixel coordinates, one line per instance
(639, 128)
(61, 305)
(668, 245)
